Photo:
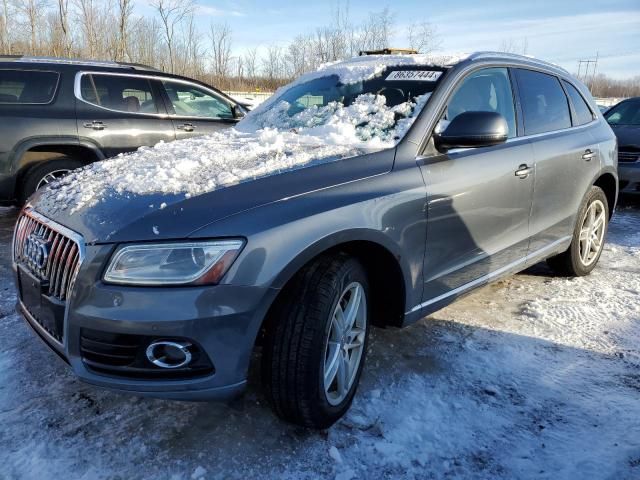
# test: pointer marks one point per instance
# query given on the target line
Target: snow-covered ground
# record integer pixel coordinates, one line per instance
(531, 377)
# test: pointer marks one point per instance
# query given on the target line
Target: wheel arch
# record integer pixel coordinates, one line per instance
(33, 152)
(386, 269)
(51, 147)
(608, 183)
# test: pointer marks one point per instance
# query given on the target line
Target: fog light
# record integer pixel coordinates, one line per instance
(167, 354)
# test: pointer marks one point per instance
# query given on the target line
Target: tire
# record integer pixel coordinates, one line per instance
(35, 177)
(303, 341)
(576, 261)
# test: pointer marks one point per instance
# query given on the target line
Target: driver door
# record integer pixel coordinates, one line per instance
(195, 110)
(477, 207)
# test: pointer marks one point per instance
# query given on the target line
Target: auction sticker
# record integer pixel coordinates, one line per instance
(414, 75)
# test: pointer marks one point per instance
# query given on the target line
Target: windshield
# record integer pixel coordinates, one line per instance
(375, 112)
(625, 113)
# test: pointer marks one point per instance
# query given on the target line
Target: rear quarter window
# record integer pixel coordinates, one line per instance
(583, 113)
(24, 87)
(545, 107)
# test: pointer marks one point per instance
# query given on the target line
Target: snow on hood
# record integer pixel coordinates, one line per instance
(202, 164)
(189, 167)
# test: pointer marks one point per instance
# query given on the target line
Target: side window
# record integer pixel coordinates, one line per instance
(624, 113)
(117, 92)
(583, 112)
(191, 101)
(487, 90)
(544, 105)
(27, 86)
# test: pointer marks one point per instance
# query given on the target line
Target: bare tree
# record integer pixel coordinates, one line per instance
(172, 13)
(251, 63)
(377, 30)
(303, 54)
(63, 17)
(194, 51)
(273, 65)
(423, 37)
(145, 43)
(220, 36)
(607, 87)
(511, 45)
(33, 12)
(5, 19)
(125, 9)
(88, 16)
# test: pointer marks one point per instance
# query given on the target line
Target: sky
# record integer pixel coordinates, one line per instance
(560, 31)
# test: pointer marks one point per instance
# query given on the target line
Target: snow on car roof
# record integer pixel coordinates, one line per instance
(366, 67)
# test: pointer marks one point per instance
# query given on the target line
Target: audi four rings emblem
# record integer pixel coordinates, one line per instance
(36, 251)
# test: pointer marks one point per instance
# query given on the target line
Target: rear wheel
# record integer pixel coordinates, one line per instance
(315, 348)
(45, 173)
(588, 237)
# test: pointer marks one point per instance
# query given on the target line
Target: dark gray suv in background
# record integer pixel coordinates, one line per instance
(58, 114)
(371, 192)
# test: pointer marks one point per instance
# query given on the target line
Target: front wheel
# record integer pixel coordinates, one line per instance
(588, 237)
(315, 348)
(45, 173)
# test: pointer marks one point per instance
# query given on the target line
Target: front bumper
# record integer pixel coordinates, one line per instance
(223, 320)
(629, 175)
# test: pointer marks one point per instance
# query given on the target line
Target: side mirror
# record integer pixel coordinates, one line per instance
(238, 112)
(471, 130)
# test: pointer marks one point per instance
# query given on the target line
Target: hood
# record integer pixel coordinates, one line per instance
(106, 211)
(628, 135)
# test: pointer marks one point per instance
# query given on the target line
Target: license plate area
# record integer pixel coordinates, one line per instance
(48, 312)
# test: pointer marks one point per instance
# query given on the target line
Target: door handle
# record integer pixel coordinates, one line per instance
(524, 170)
(187, 127)
(95, 125)
(588, 155)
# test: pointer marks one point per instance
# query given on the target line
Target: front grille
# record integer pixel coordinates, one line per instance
(123, 355)
(628, 157)
(63, 257)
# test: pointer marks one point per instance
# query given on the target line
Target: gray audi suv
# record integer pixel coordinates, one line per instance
(373, 191)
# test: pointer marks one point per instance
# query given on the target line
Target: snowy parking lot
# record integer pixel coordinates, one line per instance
(532, 377)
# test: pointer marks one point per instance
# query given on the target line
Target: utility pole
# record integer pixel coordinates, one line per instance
(589, 64)
(595, 68)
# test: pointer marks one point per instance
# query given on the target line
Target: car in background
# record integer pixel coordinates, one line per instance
(624, 119)
(57, 115)
(373, 191)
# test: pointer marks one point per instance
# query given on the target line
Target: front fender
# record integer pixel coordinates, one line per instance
(386, 210)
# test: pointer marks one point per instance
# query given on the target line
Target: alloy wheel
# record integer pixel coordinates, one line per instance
(51, 176)
(345, 343)
(592, 232)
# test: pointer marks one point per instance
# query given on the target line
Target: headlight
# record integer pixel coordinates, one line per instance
(172, 263)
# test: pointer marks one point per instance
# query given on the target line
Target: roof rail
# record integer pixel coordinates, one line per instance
(389, 51)
(515, 56)
(75, 61)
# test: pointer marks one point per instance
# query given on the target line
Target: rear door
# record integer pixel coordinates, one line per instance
(33, 104)
(478, 207)
(196, 110)
(120, 113)
(566, 155)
